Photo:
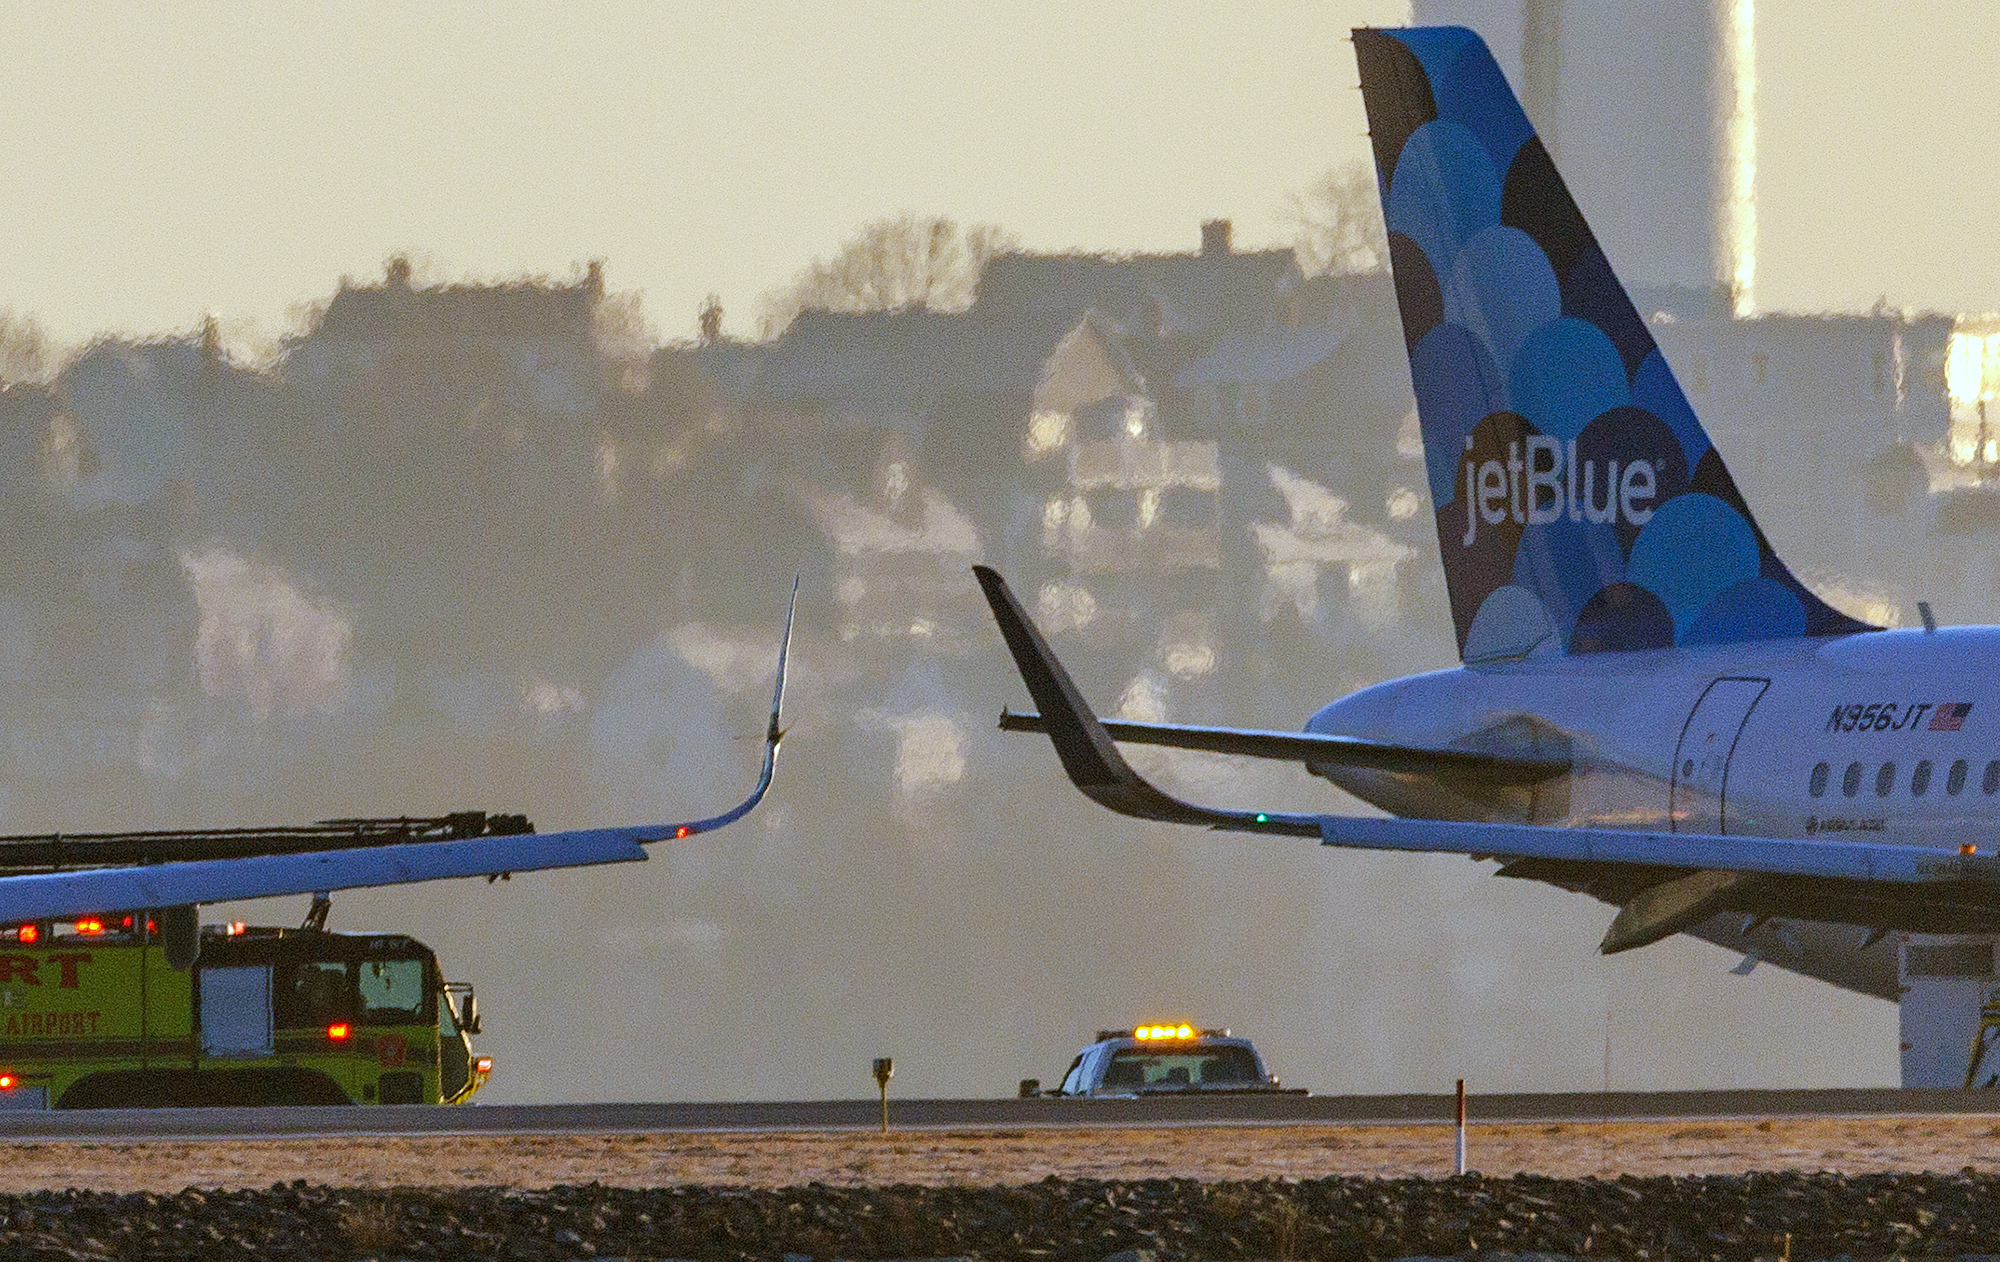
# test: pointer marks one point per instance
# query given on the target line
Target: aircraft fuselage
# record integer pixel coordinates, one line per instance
(1904, 724)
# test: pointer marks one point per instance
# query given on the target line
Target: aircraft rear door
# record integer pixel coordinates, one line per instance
(1698, 800)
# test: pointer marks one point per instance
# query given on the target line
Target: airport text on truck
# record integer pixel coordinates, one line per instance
(142, 1009)
(92, 1015)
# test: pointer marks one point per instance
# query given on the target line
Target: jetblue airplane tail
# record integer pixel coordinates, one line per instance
(1580, 505)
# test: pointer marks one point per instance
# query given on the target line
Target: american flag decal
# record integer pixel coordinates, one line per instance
(1950, 716)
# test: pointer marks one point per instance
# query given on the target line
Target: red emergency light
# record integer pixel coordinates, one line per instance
(339, 1032)
(6, 1082)
(90, 925)
(28, 935)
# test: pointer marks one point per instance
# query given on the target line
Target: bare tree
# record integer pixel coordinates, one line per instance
(25, 351)
(889, 264)
(1336, 223)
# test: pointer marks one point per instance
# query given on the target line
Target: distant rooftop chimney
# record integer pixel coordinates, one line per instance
(399, 272)
(1214, 237)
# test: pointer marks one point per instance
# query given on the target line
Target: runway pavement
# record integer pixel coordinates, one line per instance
(831, 1115)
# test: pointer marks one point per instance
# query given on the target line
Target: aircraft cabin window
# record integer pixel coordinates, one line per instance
(1920, 779)
(1850, 783)
(1956, 779)
(1989, 783)
(1819, 775)
(1885, 779)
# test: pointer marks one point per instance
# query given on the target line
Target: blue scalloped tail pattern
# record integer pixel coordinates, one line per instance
(1580, 505)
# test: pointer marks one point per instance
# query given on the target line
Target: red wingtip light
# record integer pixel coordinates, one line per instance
(339, 1032)
(28, 935)
(683, 831)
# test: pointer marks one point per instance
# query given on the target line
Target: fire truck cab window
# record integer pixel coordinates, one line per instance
(392, 989)
(317, 992)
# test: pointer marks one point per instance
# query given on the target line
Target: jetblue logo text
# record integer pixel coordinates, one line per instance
(1548, 486)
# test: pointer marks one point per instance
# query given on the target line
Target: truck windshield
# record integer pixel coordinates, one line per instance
(314, 993)
(1189, 1067)
(392, 989)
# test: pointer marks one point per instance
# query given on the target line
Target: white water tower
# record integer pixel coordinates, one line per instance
(1648, 107)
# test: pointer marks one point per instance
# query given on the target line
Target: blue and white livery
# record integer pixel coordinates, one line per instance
(1651, 709)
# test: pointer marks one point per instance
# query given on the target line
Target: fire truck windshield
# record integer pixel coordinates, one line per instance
(316, 992)
(392, 989)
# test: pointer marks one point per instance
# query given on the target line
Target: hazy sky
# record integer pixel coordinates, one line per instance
(166, 161)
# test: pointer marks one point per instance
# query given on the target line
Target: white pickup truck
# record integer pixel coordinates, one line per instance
(1163, 1060)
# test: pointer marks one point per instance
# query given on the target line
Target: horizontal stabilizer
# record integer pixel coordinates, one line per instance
(1318, 748)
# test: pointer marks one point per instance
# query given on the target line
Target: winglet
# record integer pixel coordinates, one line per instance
(774, 735)
(1092, 762)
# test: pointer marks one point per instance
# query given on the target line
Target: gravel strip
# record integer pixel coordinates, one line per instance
(1728, 1218)
(988, 1157)
(1878, 1188)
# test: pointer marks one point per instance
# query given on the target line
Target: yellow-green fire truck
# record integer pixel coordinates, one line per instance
(92, 1015)
(149, 1010)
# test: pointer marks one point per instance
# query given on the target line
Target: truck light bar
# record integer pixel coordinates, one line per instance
(1178, 1030)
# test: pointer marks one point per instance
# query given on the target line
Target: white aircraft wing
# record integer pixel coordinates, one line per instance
(1662, 882)
(52, 895)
